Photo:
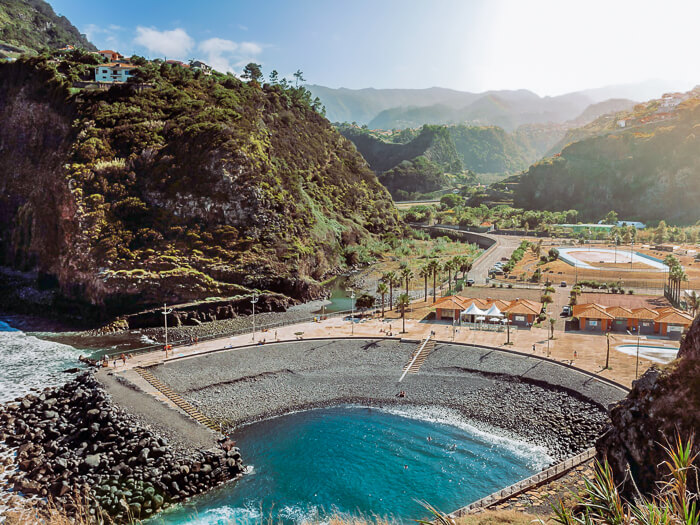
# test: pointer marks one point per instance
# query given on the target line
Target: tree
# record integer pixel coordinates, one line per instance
(553, 254)
(424, 272)
(448, 266)
(434, 269)
(661, 232)
(537, 248)
(552, 322)
(450, 201)
(465, 266)
(390, 278)
(610, 218)
(546, 299)
(403, 302)
(694, 302)
(299, 77)
(274, 77)
(252, 72)
(407, 275)
(382, 290)
(365, 301)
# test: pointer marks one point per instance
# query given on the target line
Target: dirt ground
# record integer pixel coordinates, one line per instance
(639, 277)
(627, 301)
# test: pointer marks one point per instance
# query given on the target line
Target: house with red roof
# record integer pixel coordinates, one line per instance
(668, 322)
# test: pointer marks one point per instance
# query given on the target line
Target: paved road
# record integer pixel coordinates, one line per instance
(503, 248)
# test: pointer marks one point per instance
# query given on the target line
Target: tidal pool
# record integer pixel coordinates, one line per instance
(359, 460)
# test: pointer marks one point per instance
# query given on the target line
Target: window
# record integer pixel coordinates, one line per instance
(592, 322)
(519, 317)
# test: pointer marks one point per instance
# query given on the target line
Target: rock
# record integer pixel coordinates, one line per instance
(93, 460)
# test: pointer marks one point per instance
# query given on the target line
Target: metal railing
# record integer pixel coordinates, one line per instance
(544, 476)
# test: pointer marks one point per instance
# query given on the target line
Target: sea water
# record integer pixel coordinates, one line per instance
(351, 460)
(27, 362)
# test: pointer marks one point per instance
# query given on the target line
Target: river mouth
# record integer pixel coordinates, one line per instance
(354, 460)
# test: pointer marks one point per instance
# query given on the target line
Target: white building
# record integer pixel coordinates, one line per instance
(114, 72)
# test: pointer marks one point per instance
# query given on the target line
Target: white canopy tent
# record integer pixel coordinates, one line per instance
(474, 310)
(494, 311)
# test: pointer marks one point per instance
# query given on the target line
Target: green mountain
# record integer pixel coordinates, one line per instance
(643, 164)
(202, 186)
(33, 25)
(489, 149)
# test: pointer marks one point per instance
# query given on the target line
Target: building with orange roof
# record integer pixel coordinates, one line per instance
(114, 72)
(521, 312)
(666, 321)
(110, 55)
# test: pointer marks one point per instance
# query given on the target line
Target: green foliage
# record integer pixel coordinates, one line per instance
(645, 175)
(33, 24)
(230, 178)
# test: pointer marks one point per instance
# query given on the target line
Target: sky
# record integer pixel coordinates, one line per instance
(548, 46)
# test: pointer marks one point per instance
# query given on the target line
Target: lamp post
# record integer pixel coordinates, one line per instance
(636, 368)
(508, 328)
(165, 321)
(607, 355)
(352, 315)
(254, 300)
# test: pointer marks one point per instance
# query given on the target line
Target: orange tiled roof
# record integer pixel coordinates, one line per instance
(591, 311)
(524, 307)
(452, 302)
(675, 317)
(619, 311)
(643, 313)
(117, 65)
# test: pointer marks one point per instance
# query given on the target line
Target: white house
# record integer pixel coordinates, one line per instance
(114, 72)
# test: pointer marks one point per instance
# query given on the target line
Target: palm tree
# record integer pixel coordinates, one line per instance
(396, 282)
(424, 272)
(434, 269)
(456, 261)
(465, 266)
(694, 302)
(448, 266)
(390, 278)
(403, 301)
(552, 321)
(382, 290)
(407, 275)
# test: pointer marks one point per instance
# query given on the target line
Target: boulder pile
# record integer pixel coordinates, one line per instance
(73, 444)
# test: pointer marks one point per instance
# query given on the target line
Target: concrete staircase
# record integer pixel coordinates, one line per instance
(177, 399)
(418, 357)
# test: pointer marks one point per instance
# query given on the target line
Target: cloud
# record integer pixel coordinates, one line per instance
(175, 43)
(227, 55)
(104, 37)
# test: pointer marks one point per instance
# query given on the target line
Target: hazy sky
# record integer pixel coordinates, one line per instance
(548, 46)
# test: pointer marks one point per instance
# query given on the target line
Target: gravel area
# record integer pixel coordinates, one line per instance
(542, 403)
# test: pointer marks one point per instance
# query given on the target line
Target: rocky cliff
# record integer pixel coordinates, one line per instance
(662, 405)
(191, 187)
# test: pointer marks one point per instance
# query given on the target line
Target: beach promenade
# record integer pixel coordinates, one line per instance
(583, 350)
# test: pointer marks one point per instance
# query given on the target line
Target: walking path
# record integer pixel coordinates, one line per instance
(584, 350)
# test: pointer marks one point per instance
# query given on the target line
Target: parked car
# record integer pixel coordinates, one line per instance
(566, 311)
(563, 284)
(470, 282)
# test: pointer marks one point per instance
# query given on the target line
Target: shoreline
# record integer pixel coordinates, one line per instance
(278, 378)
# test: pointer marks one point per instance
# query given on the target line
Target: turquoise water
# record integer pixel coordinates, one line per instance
(353, 460)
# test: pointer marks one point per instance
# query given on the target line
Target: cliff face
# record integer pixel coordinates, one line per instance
(661, 405)
(199, 187)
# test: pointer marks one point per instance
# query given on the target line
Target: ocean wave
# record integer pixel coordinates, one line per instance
(29, 362)
(536, 456)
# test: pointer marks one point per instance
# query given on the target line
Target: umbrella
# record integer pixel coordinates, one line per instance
(480, 318)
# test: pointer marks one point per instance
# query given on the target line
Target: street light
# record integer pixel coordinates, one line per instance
(636, 368)
(352, 316)
(254, 300)
(165, 321)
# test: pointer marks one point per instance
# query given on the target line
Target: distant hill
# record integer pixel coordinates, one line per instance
(388, 109)
(32, 25)
(644, 164)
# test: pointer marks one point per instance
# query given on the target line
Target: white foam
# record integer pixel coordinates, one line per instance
(536, 456)
(29, 362)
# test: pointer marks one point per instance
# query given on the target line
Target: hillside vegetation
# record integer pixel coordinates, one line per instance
(419, 161)
(647, 170)
(33, 25)
(199, 187)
